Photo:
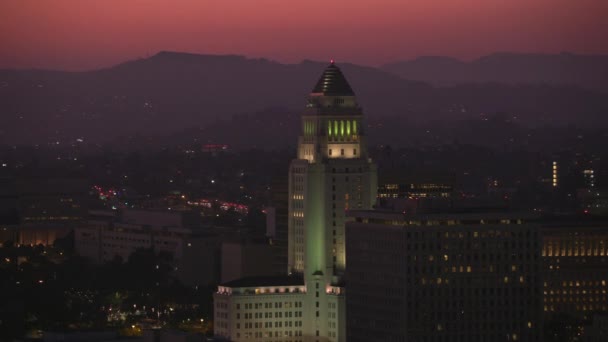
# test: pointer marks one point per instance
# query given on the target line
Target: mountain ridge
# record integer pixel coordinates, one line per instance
(170, 91)
(588, 71)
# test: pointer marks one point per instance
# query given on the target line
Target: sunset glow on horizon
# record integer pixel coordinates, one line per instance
(77, 35)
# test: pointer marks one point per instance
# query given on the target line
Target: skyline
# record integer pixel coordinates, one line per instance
(74, 35)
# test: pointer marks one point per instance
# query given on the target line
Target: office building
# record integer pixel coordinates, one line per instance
(467, 276)
(575, 264)
(331, 175)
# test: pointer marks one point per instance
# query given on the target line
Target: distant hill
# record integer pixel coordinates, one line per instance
(588, 71)
(171, 92)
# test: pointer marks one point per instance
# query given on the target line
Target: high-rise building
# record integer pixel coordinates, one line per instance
(575, 260)
(443, 277)
(331, 175)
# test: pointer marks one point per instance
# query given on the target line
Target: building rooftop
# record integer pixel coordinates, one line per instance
(261, 281)
(333, 83)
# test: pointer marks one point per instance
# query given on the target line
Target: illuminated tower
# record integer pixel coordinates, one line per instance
(331, 175)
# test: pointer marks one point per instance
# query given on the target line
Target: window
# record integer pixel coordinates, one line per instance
(341, 152)
(354, 151)
(330, 153)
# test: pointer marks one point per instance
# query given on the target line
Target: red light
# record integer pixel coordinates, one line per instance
(332, 61)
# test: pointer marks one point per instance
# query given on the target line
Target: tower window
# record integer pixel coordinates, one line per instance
(330, 151)
(354, 151)
(342, 152)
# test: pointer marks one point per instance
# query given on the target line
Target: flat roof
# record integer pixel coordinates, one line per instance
(265, 281)
(464, 215)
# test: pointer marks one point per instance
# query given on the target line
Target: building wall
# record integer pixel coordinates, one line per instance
(280, 202)
(575, 264)
(320, 194)
(199, 263)
(256, 316)
(421, 280)
(247, 259)
(195, 257)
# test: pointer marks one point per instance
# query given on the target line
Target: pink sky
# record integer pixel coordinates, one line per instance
(85, 34)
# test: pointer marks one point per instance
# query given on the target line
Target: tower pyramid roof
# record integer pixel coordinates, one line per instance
(333, 83)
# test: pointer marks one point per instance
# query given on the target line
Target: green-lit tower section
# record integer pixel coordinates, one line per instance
(331, 175)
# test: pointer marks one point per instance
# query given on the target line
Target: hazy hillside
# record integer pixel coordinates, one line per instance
(586, 71)
(171, 92)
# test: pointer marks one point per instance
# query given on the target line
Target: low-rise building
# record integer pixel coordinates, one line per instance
(261, 308)
(195, 253)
